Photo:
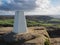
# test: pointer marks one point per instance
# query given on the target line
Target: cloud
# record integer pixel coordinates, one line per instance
(17, 4)
(45, 8)
(7, 13)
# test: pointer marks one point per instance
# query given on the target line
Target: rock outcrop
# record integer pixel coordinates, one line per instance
(32, 37)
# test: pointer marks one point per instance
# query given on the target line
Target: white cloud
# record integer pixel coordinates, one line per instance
(45, 7)
(0, 3)
(9, 1)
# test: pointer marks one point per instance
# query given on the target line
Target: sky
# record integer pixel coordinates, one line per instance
(44, 7)
(14, 5)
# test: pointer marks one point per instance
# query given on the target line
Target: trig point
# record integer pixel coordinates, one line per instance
(19, 22)
(18, 6)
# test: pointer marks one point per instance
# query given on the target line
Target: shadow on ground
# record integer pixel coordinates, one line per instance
(16, 39)
(54, 32)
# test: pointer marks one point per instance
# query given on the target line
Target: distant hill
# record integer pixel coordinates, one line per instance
(34, 17)
(32, 20)
(6, 16)
(55, 16)
(38, 17)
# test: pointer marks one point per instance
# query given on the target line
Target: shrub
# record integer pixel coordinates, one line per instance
(47, 42)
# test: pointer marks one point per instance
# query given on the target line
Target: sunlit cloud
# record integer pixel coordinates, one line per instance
(44, 7)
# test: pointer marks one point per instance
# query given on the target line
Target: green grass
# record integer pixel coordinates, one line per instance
(47, 24)
(7, 21)
(47, 42)
(58, 20)
(29, 23)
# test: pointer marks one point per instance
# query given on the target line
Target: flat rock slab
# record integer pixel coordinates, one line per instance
(13, 38)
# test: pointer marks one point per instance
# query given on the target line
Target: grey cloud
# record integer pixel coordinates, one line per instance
(7, 13)
(18, 5)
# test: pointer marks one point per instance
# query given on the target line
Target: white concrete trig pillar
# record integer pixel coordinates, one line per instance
(19, 22)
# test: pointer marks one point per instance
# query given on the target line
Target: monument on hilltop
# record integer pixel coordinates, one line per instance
(19, 6)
